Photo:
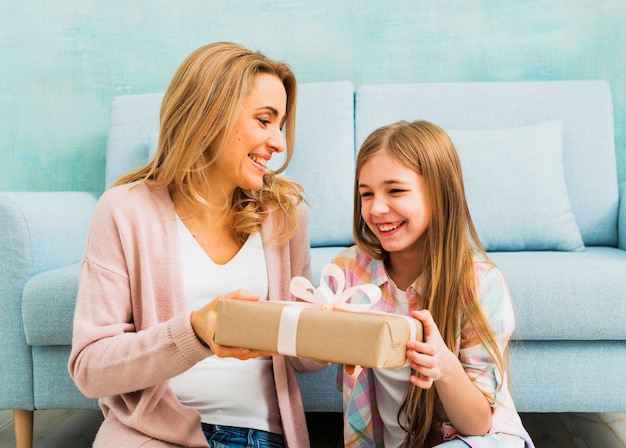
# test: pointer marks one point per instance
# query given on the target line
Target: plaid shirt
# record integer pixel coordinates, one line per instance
(362, 424)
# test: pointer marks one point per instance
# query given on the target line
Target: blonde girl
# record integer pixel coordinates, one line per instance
(415, 239)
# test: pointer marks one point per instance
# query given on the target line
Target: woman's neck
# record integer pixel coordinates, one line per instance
(211, 227)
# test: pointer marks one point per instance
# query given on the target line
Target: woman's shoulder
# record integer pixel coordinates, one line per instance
(129, 205)
(135, 196)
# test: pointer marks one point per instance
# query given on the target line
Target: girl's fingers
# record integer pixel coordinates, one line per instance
(420, 359)
(421, 347)
(421, 381)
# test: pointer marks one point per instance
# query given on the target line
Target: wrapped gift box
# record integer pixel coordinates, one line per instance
(358, 338)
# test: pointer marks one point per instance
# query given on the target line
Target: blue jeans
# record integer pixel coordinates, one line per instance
(220, 436)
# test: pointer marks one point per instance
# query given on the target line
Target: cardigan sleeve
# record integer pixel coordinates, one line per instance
(130, 332)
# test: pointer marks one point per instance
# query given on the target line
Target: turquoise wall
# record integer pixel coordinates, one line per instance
(62, 61)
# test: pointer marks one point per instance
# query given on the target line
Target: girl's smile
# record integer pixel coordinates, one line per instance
(389, 228)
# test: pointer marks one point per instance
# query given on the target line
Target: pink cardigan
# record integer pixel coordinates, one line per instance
(132, 333)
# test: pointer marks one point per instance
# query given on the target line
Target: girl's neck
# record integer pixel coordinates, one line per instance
(403, 269)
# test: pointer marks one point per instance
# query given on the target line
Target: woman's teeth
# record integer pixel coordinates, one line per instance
(258, 160)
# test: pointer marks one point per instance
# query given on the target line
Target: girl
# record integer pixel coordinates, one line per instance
(416, 240)
(170, 240)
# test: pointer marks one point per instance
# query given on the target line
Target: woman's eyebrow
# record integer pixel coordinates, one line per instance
(272, 110)
(274, 113)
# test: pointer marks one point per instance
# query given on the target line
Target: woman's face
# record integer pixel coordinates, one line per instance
(394, 204)
(255, 136)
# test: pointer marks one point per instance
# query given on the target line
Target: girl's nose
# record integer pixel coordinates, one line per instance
(379, 206)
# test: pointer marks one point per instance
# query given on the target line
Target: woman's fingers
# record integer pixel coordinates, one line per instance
(240, 353)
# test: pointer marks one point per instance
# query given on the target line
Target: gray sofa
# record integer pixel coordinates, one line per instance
(540, 172)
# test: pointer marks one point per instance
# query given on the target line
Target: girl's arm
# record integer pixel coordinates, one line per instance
(465, 405)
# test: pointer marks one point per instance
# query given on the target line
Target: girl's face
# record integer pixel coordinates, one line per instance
(256, 135)
(394, 204)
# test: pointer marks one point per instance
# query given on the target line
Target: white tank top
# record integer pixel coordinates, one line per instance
(392, 384)
(227, 391)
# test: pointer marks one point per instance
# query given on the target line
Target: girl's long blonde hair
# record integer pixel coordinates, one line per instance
(198, 111)
(452, 243)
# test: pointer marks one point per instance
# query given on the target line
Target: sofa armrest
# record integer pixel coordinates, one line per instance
(40, 231)
(44, 230)
(621, 221)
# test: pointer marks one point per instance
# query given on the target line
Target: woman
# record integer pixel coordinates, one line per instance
(170, 240)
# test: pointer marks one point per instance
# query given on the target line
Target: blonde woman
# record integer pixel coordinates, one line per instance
(203, 220)
(415, 239)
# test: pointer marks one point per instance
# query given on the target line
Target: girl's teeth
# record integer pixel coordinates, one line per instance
(386, 227)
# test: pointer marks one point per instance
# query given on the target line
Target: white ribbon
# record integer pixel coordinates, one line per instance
(323, 298)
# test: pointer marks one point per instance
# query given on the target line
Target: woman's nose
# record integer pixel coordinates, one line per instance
(276, 140)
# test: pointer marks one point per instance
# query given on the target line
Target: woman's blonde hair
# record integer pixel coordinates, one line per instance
(198, 111)
(451, 245)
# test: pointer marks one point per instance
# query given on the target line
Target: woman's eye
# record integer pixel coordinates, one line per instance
(396, 191)
(366, 194)
(263, 121)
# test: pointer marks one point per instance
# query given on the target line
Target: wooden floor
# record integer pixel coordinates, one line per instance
(76, 429)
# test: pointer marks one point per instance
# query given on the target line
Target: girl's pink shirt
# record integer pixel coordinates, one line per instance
(132, 332)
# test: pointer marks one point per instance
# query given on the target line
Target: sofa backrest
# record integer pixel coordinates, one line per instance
(323, 160)
(133, 133)
(585, 108)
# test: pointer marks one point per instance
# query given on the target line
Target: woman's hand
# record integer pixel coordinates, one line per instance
(203, 322)
(428, 358)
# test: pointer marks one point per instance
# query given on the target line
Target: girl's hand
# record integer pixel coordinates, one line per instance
(203, 322)
(427, 358)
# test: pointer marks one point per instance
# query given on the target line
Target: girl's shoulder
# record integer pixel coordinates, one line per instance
(494, 296)
(351, 257)
(487, 273)
(357, 265)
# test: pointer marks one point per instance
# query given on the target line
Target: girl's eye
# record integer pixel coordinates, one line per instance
(263, 121)
(366, 194)
(396, 190)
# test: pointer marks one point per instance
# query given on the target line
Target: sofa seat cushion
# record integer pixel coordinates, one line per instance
(571, 376)
(567, 295)
(48, 304)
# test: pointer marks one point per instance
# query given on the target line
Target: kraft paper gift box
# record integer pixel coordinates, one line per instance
(326, 328)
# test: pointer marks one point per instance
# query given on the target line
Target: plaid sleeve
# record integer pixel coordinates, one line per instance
(495, 301)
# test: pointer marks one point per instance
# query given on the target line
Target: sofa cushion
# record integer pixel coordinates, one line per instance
(48, 304)
(588, 138)
(523, 204)
(323, 159)
(567, 295)
(572, 376)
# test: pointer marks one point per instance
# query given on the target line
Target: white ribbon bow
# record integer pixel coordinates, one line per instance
(323, 296)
